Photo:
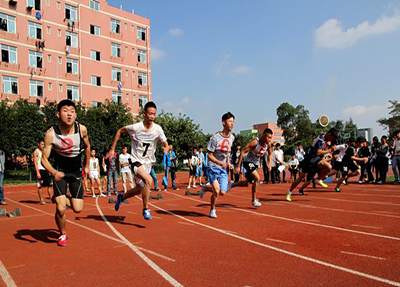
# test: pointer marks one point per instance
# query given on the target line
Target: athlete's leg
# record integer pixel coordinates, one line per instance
(256, 179)
(297, 181)
(92, 180)
(123, 174)
(60, 217)
(144, 175)
(216, 191)
(324, 167)
(130, 178)
(40, 195)
(99, 185)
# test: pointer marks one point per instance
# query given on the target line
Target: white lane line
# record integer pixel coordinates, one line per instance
(135, 249)
(311, 220)
(96, 232)
(281, 241)
(363, 255)
(333, 266)
(131, 212)
(366, 226)
(388, 212)
(308, 223)
(6, 276)
(185, 223)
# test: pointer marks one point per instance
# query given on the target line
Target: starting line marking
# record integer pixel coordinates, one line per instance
(281, 241)
(6, 276)
(363, 255)
(135, 249)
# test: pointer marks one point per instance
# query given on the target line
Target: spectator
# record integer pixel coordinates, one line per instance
(299, 152)
(374, 148)
(126, 173)
(234, 161)
(293, 168)
(94, 173)
(364, 153)
(279, 162)
(112, 172)
(2, 168)
(193, 163)
(42, 174)
(154, 176)
(396, 157)
(170, 166)
(382, 159)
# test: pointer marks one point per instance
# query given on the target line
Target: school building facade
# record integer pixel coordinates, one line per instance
(277, 131)
(83, 50)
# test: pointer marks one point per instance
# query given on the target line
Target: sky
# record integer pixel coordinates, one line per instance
(339, 58)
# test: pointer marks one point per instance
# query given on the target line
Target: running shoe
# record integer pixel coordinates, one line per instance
(176, 188)
(62, 240)
(94, 195)
(120, 199)
(256, 203)
(146, 214)
(188, 187)
(202, 192)
(102, 195)
(337, 189)
(360, 181)
(42, 202)
(301, 192)
(321, 183)
(289, 196)
(213, 213)
(194, 186)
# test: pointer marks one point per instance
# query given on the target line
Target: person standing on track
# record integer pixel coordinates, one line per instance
(396, 157)
(145, 136)
(41, 173)
(219, 148)
(69, 140)
(94, 173)
(254, 151)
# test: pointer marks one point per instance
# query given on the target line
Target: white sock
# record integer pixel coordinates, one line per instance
(289, 192)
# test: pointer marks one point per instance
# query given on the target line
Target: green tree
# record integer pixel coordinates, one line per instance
(393, 121)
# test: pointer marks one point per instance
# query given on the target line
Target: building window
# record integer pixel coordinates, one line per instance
(60, 87)
(133, 51)
(141, 33)
(126, 26)
(142, 79)
(126, 49)
(142, 101)
(59, 33)
(60, 60)
(10, 85)
(126, 73)
(35, 30)
(8, 54)
(7, 23)
(94, 30)
(71, 39)
(117, 97)
(96, 81)
(33, 4)
(71, 13)
(116, 50)
(36, 88)
(50, 86)
(116, 74)
(115, 26)
(94, 5)
(58, 5)
(72, 93)
(127, 97)
(95, 55)
(49, 58)
(48, 30)
(96, 104)
(48, 2)
(141, 56)
(35, 59)
(133, 28)
(72, 66)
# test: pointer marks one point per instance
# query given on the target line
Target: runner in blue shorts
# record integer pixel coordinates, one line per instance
(219, 148)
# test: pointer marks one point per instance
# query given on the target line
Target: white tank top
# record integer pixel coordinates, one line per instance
(254, 155)
(39, 160)
(93, 164)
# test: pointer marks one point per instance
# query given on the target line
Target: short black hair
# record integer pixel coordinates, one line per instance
(200, 146)
(150, 105)
(268, 131)
(361, 139)
(396, 132)
(333, 132)
(64, 103)
(227, 116)
(384, 137)
(278, 145)
(351, 140)
(195, 147)
(39, 141)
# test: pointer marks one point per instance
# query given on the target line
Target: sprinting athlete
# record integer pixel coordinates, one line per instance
(219, 148)
(144, 136)
(94, 169)
(69, 139)
(314, 162)
(41, 173)
(254, 151)
(349, 160)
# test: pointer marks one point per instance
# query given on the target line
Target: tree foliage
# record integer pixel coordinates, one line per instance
(393, 121)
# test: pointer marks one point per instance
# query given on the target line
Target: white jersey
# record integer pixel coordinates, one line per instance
(39, 160)
(194, 160)
(342, 151)
(144, 142)
(254, 155)
(93, 164)
(219, 146)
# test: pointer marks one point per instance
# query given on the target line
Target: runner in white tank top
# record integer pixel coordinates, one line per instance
(41, 173)
(145, 136)
(94, 174)
(254, 151)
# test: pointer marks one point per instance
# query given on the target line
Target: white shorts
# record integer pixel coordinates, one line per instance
(94, 174)
(135, 166)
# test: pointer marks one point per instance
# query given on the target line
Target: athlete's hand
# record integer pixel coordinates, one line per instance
(87, 170)
(237, 170)
(365, 160)
(269, 168)
(230, 166)
(333, 148)
(224, 165)
(58, 175)
(38, 175)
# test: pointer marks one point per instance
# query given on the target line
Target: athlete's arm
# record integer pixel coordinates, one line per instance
(270, 157)
(120, 132)
(34, 155)
(246, 149)
(215, 160)
(48, 144)
(85, 137)
(165, 147)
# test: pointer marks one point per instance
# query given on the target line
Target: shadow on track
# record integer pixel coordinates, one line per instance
(43, 235)
(182, 213)
(112, 219)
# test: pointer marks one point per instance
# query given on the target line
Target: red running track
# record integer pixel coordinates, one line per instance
(325, 238)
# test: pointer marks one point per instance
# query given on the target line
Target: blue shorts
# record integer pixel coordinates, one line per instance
(199, 171)
(217, 173)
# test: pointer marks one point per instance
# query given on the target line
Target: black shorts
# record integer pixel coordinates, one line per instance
(44, 178)
(338, 166)
(350, 165)
(71, 181)
(193, 171)
(249, 168)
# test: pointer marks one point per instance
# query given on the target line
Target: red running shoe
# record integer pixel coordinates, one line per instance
(62, 240)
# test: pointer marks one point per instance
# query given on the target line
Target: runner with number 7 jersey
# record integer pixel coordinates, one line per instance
(144, 136)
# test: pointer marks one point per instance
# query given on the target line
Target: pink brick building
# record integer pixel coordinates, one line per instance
(84, 50)
(278, 132)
